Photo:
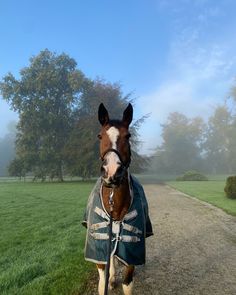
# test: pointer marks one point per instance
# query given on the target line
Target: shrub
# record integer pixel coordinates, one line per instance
(192, 176)
(230, 187)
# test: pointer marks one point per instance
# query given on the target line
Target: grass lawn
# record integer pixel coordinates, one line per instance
(208, 191)
(42, 240)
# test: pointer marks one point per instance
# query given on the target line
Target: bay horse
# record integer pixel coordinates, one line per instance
(128, 208)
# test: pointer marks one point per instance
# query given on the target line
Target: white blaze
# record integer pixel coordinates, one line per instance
(113, 134)
(113, 161)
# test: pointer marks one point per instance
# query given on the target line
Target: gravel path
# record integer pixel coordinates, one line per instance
(193, 251)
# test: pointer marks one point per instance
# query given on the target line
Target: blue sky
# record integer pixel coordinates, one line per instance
(173, 55)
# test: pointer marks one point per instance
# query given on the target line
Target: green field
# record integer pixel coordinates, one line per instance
(42, 240)
(208, 191)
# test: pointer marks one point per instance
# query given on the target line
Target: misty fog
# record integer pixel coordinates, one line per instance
(7, 148)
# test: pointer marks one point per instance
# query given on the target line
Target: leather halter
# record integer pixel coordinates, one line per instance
(123, 165)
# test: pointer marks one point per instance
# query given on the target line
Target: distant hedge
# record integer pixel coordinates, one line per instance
(192, 176)
(230, 187)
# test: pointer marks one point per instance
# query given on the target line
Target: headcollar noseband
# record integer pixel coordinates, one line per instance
(123, 164)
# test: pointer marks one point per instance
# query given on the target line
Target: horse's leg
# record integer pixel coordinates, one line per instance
(128, 280)
(112, 278)
(101, 284)
(101, 271)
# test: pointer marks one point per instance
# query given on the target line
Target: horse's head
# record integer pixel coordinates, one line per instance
(114, 145)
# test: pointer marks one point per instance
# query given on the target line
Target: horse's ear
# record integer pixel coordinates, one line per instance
(103, 116)
(128, 115)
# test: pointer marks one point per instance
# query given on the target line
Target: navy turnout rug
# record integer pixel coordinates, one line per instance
(128, 235)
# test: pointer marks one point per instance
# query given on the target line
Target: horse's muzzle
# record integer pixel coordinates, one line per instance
(113, 168)
(116, 179)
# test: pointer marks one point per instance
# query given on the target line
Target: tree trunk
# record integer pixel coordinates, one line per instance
(60, 172)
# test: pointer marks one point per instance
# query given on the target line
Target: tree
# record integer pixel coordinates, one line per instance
(232, 134)
(58, 126)
(217, 143)
(16, 168)
(45, 97)
(83, 146)
(181, 147)
(232, 148)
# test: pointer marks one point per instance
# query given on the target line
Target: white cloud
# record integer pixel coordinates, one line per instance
(175, 96)
(195, 81)
(198, 76)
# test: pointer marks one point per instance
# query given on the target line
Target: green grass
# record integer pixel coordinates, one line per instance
(218, 177)
(208, 191)
(42, 240)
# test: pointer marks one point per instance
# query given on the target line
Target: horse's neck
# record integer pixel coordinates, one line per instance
(121, 198)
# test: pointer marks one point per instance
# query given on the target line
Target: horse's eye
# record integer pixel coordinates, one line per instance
(127, 136)
(99, 136)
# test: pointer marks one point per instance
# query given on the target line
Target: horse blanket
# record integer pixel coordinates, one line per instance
(128, 235)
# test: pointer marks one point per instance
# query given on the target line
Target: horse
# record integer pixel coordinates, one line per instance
(117, 199)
